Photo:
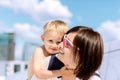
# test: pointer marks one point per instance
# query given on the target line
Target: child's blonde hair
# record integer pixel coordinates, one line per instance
(56, 25)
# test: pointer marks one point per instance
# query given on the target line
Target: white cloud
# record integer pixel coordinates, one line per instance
(40, 11)
(24, 31)
(110, 31)
(27, 31)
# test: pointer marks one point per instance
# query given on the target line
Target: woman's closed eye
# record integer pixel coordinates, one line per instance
(67, 43)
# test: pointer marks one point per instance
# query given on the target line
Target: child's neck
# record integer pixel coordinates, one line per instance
(46, 53)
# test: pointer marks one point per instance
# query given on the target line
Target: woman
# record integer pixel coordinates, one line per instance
(81, 50)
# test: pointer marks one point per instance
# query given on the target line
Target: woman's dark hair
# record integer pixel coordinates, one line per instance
(87, 51)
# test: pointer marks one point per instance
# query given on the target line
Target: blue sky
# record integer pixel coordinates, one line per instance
(27, 17)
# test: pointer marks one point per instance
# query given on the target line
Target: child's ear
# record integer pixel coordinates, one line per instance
(42, 37)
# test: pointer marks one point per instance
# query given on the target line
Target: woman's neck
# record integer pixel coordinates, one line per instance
(69, 77)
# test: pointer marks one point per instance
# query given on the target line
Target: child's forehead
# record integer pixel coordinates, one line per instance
(54, 32)
(53, 36)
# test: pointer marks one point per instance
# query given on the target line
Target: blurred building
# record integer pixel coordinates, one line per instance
(7, 56)
(11, 68)
(110, 68)
(7, 46)
(28, 50)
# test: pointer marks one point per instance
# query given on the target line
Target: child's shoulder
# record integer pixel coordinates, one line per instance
(38, 50)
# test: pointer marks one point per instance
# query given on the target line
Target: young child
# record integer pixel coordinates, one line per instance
(51, 37)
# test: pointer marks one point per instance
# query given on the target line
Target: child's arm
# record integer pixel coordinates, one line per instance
(56, 73)
(38, 66)
(40, 71)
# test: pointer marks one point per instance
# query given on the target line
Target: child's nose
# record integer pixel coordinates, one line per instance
(55, 45)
